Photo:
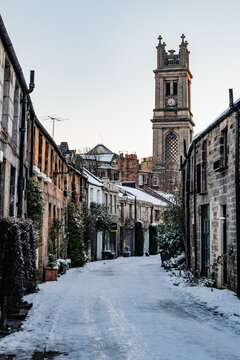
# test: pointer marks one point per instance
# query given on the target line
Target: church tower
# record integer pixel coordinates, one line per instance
(172, 117)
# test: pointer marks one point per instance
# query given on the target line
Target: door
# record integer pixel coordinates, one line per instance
(129, 241)
(146, 241)
(205, 239)
(224, 229)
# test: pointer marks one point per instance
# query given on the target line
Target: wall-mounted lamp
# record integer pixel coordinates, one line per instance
(125, 198)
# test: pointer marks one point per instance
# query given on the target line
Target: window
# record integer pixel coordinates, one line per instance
(199, 178)
(130, 211)
(155, 181)
(224, 148)
(46, 158)
(145, 179)
(221, 163)
(115, 203)
(171, 147)
(106, 200)
(204, 166)
(15, 135)
(139, 213)
(98, 196)
(140, 180)
(157, 215)
(174, 88)
(111, 204)
(91, 194)
(40, 141)
(167, 88)
(12, 191)
(146, 214)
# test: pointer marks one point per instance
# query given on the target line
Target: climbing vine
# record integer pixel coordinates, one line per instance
(35, 204)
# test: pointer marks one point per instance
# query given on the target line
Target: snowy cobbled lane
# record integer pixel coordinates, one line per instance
(127, 308)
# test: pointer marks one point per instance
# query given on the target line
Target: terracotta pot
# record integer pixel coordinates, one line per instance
(51, 274)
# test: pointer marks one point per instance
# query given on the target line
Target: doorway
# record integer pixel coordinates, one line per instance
(205, 227)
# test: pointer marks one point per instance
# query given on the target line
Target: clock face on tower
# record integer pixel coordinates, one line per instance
(171, 102)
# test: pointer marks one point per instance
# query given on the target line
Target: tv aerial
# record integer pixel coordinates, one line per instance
(53, 118)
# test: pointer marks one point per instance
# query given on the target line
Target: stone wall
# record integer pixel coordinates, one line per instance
(210, 180)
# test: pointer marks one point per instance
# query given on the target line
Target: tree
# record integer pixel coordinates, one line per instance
(95, 219)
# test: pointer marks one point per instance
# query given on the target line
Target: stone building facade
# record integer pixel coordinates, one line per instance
(210, 174)
(172, 118)
(136, 205)
(12, 88)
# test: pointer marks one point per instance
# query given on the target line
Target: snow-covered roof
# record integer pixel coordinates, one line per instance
(167, 196)
(141, 195)
(106, 166)
(92, 179)
(99, 157)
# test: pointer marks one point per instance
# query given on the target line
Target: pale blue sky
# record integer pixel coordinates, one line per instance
(94, 60)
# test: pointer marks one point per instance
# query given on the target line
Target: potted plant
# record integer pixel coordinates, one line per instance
(51, 270)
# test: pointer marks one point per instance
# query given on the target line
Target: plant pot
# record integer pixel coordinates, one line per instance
(164, 256)
(51, 274)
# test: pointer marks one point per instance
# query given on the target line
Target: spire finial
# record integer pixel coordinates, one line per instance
(183, 37)
(160, 39)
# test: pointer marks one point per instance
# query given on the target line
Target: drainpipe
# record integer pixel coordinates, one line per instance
(135, 219)
(234, 107)
(22, 143)
(32, 146)
(187, 206)
(195, 207)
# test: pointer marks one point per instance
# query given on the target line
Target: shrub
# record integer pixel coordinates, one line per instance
(139, 238)
(171, 243)
(17, 263)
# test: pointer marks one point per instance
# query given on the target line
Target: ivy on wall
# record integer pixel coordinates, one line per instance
(75, 237)
(35, 204)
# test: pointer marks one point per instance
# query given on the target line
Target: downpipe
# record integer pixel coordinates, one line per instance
(235, 108)
(22, 143)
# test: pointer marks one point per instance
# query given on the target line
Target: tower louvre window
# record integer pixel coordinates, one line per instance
(171, 147)
(167, 88)
(175, 88)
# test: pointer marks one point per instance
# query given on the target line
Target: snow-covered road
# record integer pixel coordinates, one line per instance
(126, 308)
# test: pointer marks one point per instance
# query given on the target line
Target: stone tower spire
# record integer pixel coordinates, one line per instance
(172, 117)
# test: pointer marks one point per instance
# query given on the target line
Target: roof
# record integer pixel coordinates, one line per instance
(140, 195)
(109, 158)
(217, 121)
(107, 166)
(167, 196)
(91, 178)
(100, 149)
